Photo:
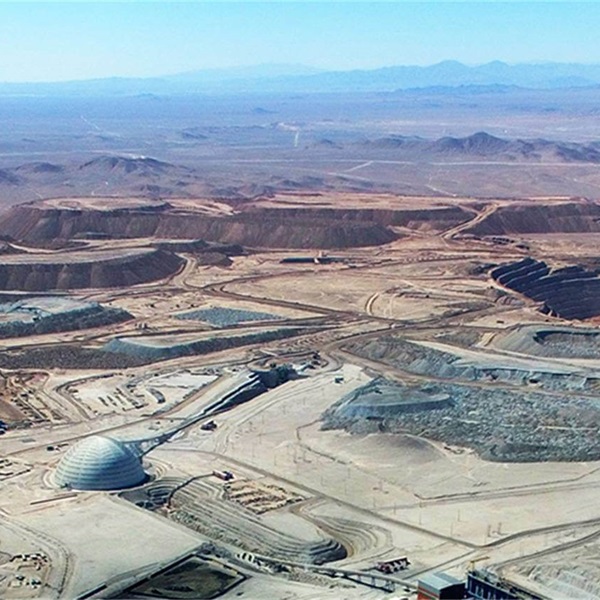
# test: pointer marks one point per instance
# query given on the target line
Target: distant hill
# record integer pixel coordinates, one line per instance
(118, 175)
(113, 174)
(298, 78)
(482, 145)
(122, 165)
(38, 167)
(248, 73)
(9, 178)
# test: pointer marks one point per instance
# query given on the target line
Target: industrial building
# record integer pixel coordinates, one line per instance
(440, 586)
(483, 585)
(99, 463)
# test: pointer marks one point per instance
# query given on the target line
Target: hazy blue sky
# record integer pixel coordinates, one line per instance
(76, 40)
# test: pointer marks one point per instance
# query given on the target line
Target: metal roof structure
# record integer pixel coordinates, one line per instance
(99, 463)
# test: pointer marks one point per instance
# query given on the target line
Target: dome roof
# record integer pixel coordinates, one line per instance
(99, 463)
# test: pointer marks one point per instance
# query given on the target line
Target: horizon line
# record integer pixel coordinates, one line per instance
(317, 70)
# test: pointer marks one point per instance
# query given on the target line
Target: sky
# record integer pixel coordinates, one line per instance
(54, 41)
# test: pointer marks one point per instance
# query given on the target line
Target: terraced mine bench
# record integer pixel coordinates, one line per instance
(570, 292)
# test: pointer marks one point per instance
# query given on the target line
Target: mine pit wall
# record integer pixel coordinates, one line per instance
(568, 217)
(262, 229)
(569, 293)
(434, 219)
(119, 272)
(292, 227)
(266, 232)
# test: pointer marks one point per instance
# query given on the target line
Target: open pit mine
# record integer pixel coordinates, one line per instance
(300, 395)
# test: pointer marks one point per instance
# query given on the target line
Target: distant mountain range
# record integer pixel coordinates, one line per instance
(301, 79)
(483, 146)
(145, 176)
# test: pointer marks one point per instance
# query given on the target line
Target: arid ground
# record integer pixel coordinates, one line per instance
(394, 352)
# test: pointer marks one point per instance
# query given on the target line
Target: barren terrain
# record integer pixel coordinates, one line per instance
(333, 337)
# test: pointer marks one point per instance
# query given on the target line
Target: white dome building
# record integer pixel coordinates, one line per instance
(99, 463)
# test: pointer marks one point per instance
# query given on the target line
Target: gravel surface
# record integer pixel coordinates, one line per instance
(501, 425)
(225, 317)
